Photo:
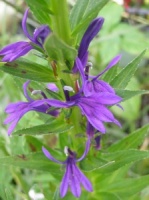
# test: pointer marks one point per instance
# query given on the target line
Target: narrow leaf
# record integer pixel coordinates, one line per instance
(107, 195)
(35, 161)
(109, 162)
(110, 74)
(28, 70)
(127, 94)
(125, 75)
(122, 158)
(56, 126)
(129, 187)
(83, 12)
(133, 140)
(44, 6)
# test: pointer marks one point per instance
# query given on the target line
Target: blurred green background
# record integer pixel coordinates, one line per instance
(123, 33)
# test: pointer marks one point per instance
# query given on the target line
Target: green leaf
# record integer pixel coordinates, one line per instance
(56, 126)
(125, 75)
(110, 74)
(107, 196)
(128, 187)
(109, 162)
(56, 194)
(122, 158)
(9, 195)
(36, 161)
(44, 6)
(2, 192)
(83, 12)
(133, 140)
(28, 70)
(127, 94)
(59, 51)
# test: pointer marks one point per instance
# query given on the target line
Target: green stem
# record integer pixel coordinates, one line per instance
(76, 119)
(60, 19)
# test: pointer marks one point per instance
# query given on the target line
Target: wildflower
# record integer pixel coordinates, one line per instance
(92, 85)
(15, 50)
(88, 36)
(73, 177)
(93, 107)
(17, 110)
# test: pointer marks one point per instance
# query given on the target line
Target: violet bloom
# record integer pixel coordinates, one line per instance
(93, 107)
(88, 36)
(73, 177)
(91, 86)
(17, 110)
(15, 50)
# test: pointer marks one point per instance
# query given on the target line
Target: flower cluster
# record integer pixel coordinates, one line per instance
(93, 98)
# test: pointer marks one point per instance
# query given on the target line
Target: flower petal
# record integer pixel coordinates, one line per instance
(88, 36)
(12, 126)
(65, 182)
(49, 156)
(52, 87)
(87, 147)
(25, 85)
(113, 62)
(24, 27)
(75, 182)
(106, 98)
(89, 111)
(40, 34)
(83, 179)
(102, 86)
(21, 50)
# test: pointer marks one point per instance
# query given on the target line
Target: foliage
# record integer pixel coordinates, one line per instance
(113, 169)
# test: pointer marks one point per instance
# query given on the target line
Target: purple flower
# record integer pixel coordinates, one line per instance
(73, 177)
(15, 50)
(92, 134)
(91, 86)
(17, 110)
(93, 107)
(88, 36)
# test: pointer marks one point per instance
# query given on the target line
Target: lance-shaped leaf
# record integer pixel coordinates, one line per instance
(109, 162)
(128, 187)
(44, 6)
(122, 79)
(36, 161)
(110, 74)
(56, 126)
(83, 12)
(107, 195)
(133, 140)
(127, 94)
(28, 70)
